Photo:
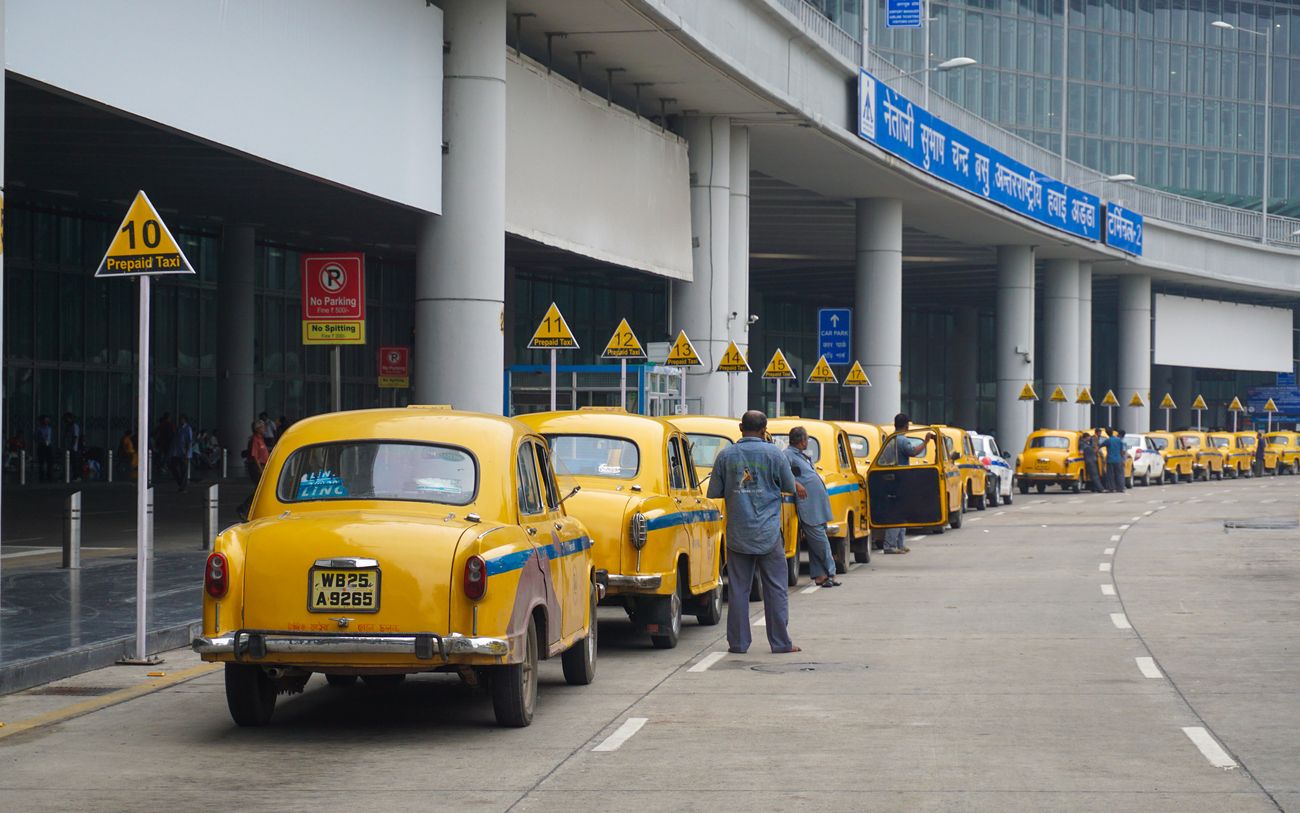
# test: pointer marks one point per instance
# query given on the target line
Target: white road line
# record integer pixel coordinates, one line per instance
(1108, 552)
(624, 733)
(1148, 668)
(1161, 507)
(1108, 589)
(761, 621)
(1104, 567)
(707, 661)
(975, 519)
(1147, 513)
(1120, 621)
(1228, 502)
(20, 554)
(1210, 749)
(812, 588)
(1125, 527)
(1135, 519)
(1114, 537)
(999, 513)
(1266, 502)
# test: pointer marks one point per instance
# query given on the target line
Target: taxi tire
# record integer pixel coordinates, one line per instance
(669, 639)
(982, 501)
(954, 517)
(1024, 488)
(1007, 499)
(792, 569)
(1077, 485)
(250, 694)
(1146, 479)
(514, 686)
(1042, 488)
(579, 660)
(711, 605)
(994, 496)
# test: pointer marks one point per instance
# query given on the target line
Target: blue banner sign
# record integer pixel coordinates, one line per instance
(903, 14)
(1123, 229)
(892, 122)
(835, 334)
(1286, 399)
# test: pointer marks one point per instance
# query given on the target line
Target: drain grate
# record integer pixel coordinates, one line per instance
(808, 666)
(1260, 524)
(74, 691)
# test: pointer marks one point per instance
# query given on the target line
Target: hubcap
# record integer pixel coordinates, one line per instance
(675, 607)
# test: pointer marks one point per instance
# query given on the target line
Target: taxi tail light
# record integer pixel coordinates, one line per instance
(216, 575)
(639, 530)
(475, 578)
(1137, 453)
(986, 461)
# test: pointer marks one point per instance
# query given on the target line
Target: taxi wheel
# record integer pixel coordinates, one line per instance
(669, 639)
(1128, 482)
(1024, 488)
(792, 570)
(841, 551)
(711, 603)
(579, 660)
(1007, 499)
(994, 495)
(1077, 485)
(250, 694)
(1146, 479)
(954, 517)
(340, 681)
(514, 686)
(982, 500)
(1042, 488)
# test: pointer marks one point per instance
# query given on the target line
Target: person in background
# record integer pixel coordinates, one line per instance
(256, 455)
(179, 454)
(903, 449)
(44, 447)
(814, 508)
(1259, 454)
(126, 454)
(1115, 460)
(71, 438)
(1088, 446)
(268, 430)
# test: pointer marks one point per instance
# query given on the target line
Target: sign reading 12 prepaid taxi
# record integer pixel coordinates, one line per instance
(333, 299)
(143, 246)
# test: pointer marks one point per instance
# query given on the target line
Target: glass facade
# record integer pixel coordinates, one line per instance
(1154, 89)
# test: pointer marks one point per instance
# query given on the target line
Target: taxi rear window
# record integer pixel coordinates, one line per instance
(1219, 443)
(705, 448)
(379, 470)
(814, 450)
(1049, 442)
(1160, 443)
(594, 456)
(1191, 441)
(1279, 440)
(859, 446)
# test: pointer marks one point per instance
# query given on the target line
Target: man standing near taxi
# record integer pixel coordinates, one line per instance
(1115, 460)
(814, 510)
(751, 474)
(900, 453)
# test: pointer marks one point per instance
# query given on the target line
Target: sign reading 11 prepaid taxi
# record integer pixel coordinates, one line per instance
(334, 298)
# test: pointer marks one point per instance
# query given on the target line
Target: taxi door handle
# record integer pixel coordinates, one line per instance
(532, 531)
(559, 527)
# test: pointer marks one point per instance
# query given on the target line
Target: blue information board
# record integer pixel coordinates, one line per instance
(1286, 399)
(835, 335)
(903, 14)
(1123, 229)
(892, 122)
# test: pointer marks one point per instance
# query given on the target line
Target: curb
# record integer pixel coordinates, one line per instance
(31, 672)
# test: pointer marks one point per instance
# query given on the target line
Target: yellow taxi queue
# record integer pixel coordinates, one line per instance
(387, 542)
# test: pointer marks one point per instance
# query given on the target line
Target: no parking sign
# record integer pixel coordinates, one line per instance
(333, 299)
(394, 367)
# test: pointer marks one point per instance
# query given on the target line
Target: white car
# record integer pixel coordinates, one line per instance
(998, 466)
(1148, 463)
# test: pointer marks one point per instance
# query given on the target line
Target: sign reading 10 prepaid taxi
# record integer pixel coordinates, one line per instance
(333, 299)
(143, 246)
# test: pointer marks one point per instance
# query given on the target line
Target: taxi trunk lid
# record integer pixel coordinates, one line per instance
(1044, 460)
(604, 511)
(292, 559)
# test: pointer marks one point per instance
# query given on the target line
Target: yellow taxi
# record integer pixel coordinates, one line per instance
(1051, 457)
(653, 529)
(864, 442)
(973, 475)
(387, 542)
(1286, 445)
(1247, 440)
(1207, 460)
(1180, 462)
(708, 436)
(946, 464)
(916, 491)
(1238, 460)
(828, 448)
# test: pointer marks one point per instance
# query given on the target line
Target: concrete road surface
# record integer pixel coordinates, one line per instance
(1070, 652)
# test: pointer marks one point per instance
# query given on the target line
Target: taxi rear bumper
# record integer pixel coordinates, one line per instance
(621, 583)
(256, 644)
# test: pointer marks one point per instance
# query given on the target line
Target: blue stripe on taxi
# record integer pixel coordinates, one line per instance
(514, 561)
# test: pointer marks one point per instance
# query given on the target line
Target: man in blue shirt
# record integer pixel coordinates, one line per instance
(814, 509)
(751, 474)
(1115, 460)
(900, 453)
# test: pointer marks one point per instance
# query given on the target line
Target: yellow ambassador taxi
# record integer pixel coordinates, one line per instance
(1286, 445)
(973, 475)
(945, 464)
(386, 542)
(1207, 461)
(655, 532)
(1247, 440)
(864, 442)
(1237, 460)
(1103, 458)
(1051, 457)
(913, 491)
(709, 435)
(828, 448)
(1180, 461)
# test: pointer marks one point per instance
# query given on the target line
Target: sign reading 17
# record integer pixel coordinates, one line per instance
(150, 233)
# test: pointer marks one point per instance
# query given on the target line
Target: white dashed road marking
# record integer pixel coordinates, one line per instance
(1108, 552)
(1147, 513)
(1104, 567)
(812, 588)
(1000, 513)
(1209, 748)
(1135, 519)
(975, 519)
(1120, 621)
(761, 621)
(1108, 589)
(1148, 668)
(707, 661)
(1124, 527)
(624, 733)
(1114, 537)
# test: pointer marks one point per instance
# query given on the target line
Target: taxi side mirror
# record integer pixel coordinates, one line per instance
(575, 490)
(1006, 455)
(955, 456)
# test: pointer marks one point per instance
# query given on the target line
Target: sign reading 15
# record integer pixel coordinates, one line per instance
(150, 232)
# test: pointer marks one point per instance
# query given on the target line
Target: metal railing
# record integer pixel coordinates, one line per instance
(1151, 203)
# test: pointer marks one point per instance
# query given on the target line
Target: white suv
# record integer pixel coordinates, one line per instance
(998, 481)
(1148, 463)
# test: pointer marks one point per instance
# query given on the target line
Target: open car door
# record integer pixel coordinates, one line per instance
(906, 491)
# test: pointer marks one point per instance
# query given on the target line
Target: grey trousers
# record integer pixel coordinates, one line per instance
(820, 561)
(772, 573)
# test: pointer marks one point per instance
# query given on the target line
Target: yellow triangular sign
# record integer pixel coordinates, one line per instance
(822, 373)
(1136, 400)
(1027, 393)
(778, 367)
(1236, 406)
(1085, 396)
(143, 246)
(733, 361)
(623, 344)
(1110, 399)
(1269, 406)
(553, 333)
(1168, 402)
(857, 377)
(1199, 403)
(683, 353)
(1058, 396)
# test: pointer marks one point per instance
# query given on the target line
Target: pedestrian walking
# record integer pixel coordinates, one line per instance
(70, 438)
(256, 455)
(813, 508)
(1088, 445)
(179, 453)
(899, 453)
(126, 455)
(1259, 454)
(44, 448)
(751, 474)
(1115, 460)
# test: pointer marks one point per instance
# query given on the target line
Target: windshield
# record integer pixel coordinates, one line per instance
(594, 456)
(1160, 443)
(705, 448)
(1248, 441)
(859, 446)
(1219, 443)
(1049, 442)
(379, 470)
(1191, 441)
(1131, 441)
(1279, 440)
(814, 450)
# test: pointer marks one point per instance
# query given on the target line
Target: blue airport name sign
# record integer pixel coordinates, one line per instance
(892, 122)
(835, 334)
(1286, 399)
(903, 14)
(1123, 229)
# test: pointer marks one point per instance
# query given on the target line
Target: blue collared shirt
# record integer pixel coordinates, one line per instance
(751, 474)
(814, 509)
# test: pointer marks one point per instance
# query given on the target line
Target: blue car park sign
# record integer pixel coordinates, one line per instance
(903, 14)
(835, 335)
(892, 122)
(1123, 229)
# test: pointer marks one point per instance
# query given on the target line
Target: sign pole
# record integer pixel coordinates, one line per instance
(1270, 422)
(1110, 416)
(856, 416)
(1166, 420)
(1058, 415)
(1234, 420)
(731, 395)
(682, 409)
(142, 486)
(1198, 420)
(778, 398)
(821, 402)
(336, 378)
(622, 383)
(552, 380)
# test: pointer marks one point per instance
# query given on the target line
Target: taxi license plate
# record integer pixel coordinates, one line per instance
(331, 590)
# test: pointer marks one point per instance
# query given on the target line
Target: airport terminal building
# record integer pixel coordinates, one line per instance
(731, 169)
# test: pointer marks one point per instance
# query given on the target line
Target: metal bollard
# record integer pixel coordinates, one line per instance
(22, 468)
(187, 470)
(72, 531)
(110, 465)
(67, 467)
(210, 528)
(149, 467)
(148, 523)
(224, 471)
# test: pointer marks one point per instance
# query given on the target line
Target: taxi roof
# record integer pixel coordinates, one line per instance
(430, 424)
(640, 429)
(783, 425)
(707, 425)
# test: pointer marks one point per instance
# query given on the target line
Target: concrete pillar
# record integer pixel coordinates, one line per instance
(738, 262)
(1060, 341)
(1134, 350)
(878, 300)
(236, 313)
(1084, 412)
(1184, 394)
(460, 255)
(965, 369)
(1015, 344)
(701, 307)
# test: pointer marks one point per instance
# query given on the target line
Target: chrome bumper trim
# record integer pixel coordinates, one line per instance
(259, 643)
(636, 582)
